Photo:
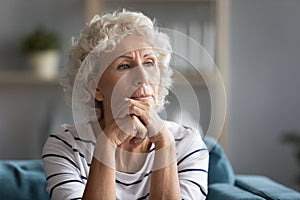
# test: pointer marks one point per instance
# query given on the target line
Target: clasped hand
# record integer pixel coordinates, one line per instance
(137, 120)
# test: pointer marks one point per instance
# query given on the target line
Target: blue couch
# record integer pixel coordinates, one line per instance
(26, 180)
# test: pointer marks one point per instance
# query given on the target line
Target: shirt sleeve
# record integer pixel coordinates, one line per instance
(193, 167)
(63, 172)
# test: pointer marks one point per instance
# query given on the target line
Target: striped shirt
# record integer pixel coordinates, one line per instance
(67, 158)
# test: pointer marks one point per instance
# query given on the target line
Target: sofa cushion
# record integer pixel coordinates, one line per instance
(220, 170)
(265, 187)
(22, 180)
(224, 191)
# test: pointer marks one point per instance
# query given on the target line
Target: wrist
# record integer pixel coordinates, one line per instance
(163, 139)
(165, 153)
(105, 151)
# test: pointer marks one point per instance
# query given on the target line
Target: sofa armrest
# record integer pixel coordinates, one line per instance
(224, 191)
(265, 187)
(22, 180)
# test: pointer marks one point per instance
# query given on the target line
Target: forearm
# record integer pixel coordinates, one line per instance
(164, 180)
(101, 183)
(165, 184)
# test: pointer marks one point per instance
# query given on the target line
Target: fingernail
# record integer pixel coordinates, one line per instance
(127, 99)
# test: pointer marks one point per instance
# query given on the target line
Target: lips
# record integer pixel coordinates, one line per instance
(143, 93)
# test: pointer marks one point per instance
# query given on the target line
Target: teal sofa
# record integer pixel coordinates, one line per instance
(26, 180)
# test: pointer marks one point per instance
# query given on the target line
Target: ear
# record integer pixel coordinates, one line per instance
(94, 90)
(98, 95)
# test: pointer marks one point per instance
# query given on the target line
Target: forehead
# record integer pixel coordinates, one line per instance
(131, 44)
(128, 44)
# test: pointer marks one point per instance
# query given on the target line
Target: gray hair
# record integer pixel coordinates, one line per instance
(100, 33)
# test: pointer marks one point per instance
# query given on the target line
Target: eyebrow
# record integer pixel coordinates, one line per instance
(130, 57)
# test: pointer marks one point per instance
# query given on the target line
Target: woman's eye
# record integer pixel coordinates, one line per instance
(123, 66)
(148, 64)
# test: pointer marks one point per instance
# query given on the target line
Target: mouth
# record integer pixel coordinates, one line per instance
(143, 93)
(142, 97)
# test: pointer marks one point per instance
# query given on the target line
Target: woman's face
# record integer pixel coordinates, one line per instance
(133, 74)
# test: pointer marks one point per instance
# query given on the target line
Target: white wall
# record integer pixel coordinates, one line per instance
(18, 18)
(28, 114)
(265, 71)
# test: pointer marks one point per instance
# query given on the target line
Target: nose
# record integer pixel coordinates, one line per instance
(140, 76)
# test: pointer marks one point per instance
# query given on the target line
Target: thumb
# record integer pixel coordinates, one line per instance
(156, 125)
(141, 130)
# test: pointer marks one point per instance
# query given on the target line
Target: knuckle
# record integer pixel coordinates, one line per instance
(147, 121)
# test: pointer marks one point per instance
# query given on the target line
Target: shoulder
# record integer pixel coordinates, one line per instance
(63, 134)
(181, 132)
(187, 139)
(69, 139)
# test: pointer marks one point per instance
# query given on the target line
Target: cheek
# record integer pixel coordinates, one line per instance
(155, 89)
(155, 81)
(118, 89)
(154, 76)
(108, 84)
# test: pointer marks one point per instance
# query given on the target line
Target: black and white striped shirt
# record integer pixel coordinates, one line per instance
(67, 158)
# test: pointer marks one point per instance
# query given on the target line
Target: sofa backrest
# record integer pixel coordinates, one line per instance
(220, 169)
(26, 179)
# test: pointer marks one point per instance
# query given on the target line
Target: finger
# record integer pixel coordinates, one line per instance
(143, 114)
(123, 109)
(141, 99)
(141, 104)
(148, 115)
(119, 130)
(121, 137)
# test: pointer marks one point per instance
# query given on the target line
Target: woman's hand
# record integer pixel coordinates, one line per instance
(124, 128)
(156, 130)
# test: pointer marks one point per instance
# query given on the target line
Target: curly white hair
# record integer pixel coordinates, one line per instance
(100, 34)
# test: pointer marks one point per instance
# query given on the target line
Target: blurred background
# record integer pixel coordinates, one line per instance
(254, 43)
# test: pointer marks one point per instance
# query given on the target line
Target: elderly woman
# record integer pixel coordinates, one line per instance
(119, 69)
